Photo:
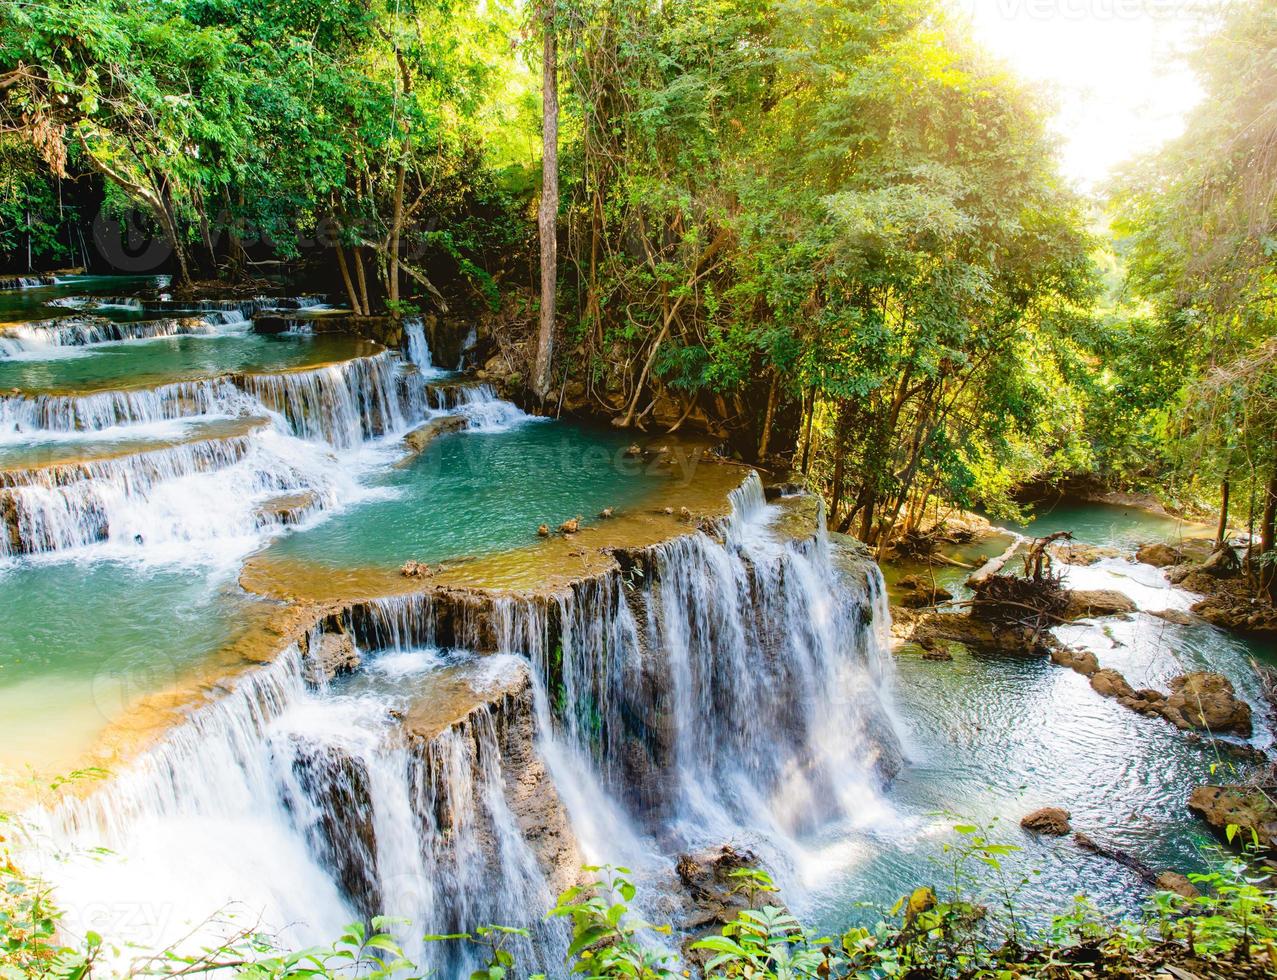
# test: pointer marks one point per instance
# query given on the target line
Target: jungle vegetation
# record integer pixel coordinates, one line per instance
(833, 231)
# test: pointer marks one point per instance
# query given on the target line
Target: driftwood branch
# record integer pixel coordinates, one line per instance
(994, 565)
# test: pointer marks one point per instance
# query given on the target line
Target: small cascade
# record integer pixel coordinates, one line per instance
(33, 338)
(25, 282)
(342, 404)
(243, 308)
(415, 345)
(25, 417)
(483, 409)
(207, 491)
(467, 345)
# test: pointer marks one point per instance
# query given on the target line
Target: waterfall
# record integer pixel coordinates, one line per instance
(342, 404)
(217, 490)
(415, 341)
(26, 417)
(472, 338)
(718, 686)
(484, 410)
(43, 336)
(312, 809)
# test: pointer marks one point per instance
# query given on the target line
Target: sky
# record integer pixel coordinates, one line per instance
(1112, 67)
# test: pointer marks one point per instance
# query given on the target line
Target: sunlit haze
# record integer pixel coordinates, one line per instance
(1114, 69)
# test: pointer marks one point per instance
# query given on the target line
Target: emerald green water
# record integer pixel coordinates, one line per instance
(471, 493)
(81, 642)
(994, 737)
(18, 305)
(133, 364)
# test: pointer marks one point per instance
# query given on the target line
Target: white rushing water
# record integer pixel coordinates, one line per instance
(224, 493)
(732, 691)
(73, 336)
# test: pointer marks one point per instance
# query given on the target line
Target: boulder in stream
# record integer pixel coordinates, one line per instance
(1204, 700)
(1249, 808)
(1050, 820)
(1159, 555)
(1090, 603)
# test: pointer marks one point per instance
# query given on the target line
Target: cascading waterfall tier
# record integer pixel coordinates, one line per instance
(202, 490)
(340, 404)
(74, 331)
(725, 682)
(243, 308)
(26, 282)
(718, 681)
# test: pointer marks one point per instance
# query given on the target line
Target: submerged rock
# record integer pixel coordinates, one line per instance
(422, 436)
(1083, 661)
(1050, 820)
(1083, 554)
(1090, 603)
(1248, 808)
(918, 591)
(1208, 701)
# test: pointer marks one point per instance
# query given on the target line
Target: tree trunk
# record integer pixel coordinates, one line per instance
(344, 266)
(362, 278)
(401, 176)
(548, 211)
(1267, 537)
(767, 418)
(811, 414)
(1221, 532)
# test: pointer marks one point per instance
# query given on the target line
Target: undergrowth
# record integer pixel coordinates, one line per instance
(943, 934)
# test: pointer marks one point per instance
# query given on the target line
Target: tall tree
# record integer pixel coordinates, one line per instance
(548, 209)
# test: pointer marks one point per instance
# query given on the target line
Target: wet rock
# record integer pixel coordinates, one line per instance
(1176, 616)
(1249, 808)
(422, 436)
(544, 530)
(710, 892)
(1083, 661)
(332, 654)
(1159, 555)
(1051, 820)
(634, 450)
(1205, 700)
(340, 811)
(685, 515)
(1090, 603)
(570, 526)
(416, 569)
(1173, 881)
(533, 798)
(607, 512)
(1223, 563)
(918, 591)
(1108, 682)
(286, 510)
(1244, 614)
(1083, 554)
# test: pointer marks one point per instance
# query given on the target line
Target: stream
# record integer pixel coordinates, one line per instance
(201, 535)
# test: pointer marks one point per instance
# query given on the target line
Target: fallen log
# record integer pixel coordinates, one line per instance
(994, 565)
